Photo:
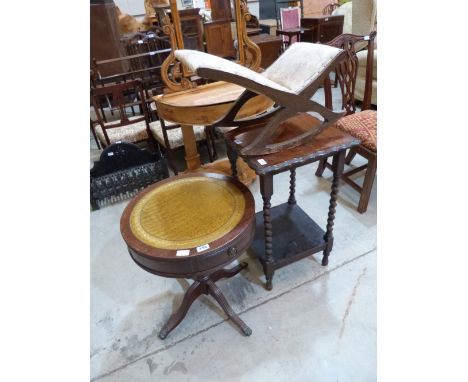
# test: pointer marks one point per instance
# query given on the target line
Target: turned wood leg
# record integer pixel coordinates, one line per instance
(192, 158)
(208, 142)
(321, 167)
(292, 187)
(232, 155)
(266, 189)
(218, 296)
(367, 185)
(350, 156)
(338, 164)
(227, 273)
(195, 290)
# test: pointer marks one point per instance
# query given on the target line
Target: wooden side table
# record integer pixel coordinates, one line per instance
(285, 233)
(191, 226)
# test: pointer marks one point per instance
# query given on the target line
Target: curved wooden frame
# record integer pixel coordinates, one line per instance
(176, 76)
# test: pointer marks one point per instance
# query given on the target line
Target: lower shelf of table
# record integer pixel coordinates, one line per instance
(295, 235)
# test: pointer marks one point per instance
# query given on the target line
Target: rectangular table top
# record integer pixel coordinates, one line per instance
(327, 143)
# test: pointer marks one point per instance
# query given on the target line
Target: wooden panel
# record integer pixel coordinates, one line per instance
(105, 36)
(191, 25)
(218, 37)
(221, 10)
(270, 46)
(325, 28)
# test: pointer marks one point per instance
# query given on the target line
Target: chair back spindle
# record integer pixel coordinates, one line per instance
(347, 71)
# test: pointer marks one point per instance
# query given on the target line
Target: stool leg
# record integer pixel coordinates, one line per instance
(195, 290)
(321, 167)
(218, 296)
(266, 189)
(292, 187)
(350, 156)
(338, 164)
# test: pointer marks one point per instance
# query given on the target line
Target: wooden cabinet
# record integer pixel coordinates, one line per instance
(218, 38)
(191, 26)
(270, 46)
(105, 35)
(221, 10)
(325, 28)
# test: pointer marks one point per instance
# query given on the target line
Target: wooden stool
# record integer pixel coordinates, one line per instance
(191, 226)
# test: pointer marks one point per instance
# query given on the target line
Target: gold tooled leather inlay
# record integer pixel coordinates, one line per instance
(187, 213)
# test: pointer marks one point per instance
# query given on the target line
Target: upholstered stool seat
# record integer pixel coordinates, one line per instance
(362, 125)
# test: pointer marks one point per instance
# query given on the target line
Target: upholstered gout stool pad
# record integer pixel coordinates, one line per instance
(191, 226)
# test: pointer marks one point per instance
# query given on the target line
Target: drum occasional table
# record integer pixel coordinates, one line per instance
(191, 226)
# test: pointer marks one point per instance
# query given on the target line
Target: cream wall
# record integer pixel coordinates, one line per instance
(131, 7)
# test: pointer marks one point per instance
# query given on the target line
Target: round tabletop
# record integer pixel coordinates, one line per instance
(206, 104)
(189, 224)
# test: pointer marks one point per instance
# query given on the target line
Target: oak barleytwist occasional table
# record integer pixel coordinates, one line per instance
(191, 226)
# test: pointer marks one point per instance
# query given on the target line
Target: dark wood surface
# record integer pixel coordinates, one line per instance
(296, 235)
(218, 38)
(221, 10)
(105, 36)
(270, 46)
(288, 220)
(325, 27)
(323, 145)
(291, 32)
(253, 31)
(192, 30)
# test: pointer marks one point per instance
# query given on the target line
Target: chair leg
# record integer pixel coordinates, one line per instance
(367, 185)
(170, 159)
(208, 141)
(321, 167)
(350, 156)
(213, 143)
(232, 155)
(94, 136)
